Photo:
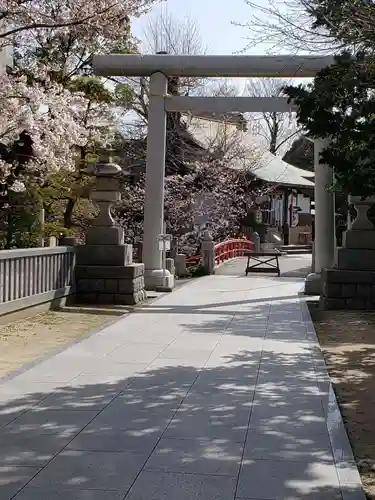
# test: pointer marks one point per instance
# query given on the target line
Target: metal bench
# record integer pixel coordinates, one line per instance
(265, 262)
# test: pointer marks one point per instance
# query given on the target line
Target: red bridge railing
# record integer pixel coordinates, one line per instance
(228, 249)
(231, 249)
(192, 262)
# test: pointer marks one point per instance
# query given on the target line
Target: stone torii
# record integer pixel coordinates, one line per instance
(161, 66)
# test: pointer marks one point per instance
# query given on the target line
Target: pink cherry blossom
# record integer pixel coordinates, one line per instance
(50, 116)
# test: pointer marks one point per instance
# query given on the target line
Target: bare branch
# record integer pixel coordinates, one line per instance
(166, 33)
(225, 141)
(277, 128)
(286, 25)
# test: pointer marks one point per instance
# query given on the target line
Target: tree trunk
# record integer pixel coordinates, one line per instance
(68, 214)
(274, 132)
(9, 231)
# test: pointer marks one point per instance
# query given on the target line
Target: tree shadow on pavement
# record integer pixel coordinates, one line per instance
(241, 421)
(301, 272)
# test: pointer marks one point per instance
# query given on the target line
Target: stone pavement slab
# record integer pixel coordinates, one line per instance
(217, 391)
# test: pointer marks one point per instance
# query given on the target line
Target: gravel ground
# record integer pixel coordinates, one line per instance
(347, 339)
(30, 339)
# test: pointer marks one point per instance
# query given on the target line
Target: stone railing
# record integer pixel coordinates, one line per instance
(32, 276)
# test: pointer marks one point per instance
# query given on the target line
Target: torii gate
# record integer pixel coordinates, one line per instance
(161, 66)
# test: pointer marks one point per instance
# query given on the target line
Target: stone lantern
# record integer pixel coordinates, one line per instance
(105, 272)
(350, 284)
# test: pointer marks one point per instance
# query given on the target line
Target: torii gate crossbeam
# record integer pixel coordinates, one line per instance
(161, 66)
(287, 66)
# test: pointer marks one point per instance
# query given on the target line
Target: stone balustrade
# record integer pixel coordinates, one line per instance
(32, 276)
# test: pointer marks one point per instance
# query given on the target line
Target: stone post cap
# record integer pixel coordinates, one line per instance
(207, 235)
(103, 170)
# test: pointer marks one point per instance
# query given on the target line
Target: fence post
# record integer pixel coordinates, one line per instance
(208, 252)
(256, 240)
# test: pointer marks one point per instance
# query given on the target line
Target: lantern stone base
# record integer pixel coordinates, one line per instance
(104, 255)
(351, 283)
(120, 285)
(348, 289)
(313, 284)
(160, 280)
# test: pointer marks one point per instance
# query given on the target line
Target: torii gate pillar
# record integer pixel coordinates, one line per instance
(325, 231)
(156, 278)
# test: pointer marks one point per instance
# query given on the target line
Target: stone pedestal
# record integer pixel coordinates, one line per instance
(120, 285)
(105, 272)
(351, 283)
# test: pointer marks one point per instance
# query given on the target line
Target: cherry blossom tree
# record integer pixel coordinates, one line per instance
(212, 194)
(99, 17)
(53, 44)
(39, 129)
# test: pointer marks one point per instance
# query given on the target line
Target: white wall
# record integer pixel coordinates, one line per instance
(304, 203)
(6, 56)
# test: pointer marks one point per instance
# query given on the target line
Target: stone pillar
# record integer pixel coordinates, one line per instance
(105, 273)
(155, 276)
(256, 240)
(180, 265)
(325, 237)
(208, 252)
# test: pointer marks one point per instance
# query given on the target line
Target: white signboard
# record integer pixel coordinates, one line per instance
(164, 242)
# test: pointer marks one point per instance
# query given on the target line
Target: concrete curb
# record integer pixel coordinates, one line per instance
(347, 470)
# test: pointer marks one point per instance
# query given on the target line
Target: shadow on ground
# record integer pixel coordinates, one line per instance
(301, 272)
(198, 427)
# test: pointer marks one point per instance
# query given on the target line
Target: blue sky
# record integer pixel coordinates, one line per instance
(214, 18)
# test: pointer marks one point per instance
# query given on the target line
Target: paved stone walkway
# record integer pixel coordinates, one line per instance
(214, 392)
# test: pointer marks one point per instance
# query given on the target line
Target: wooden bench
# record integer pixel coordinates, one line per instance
(269, 263)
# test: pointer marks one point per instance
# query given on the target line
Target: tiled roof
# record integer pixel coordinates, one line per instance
(268, 167)
(273, 169)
